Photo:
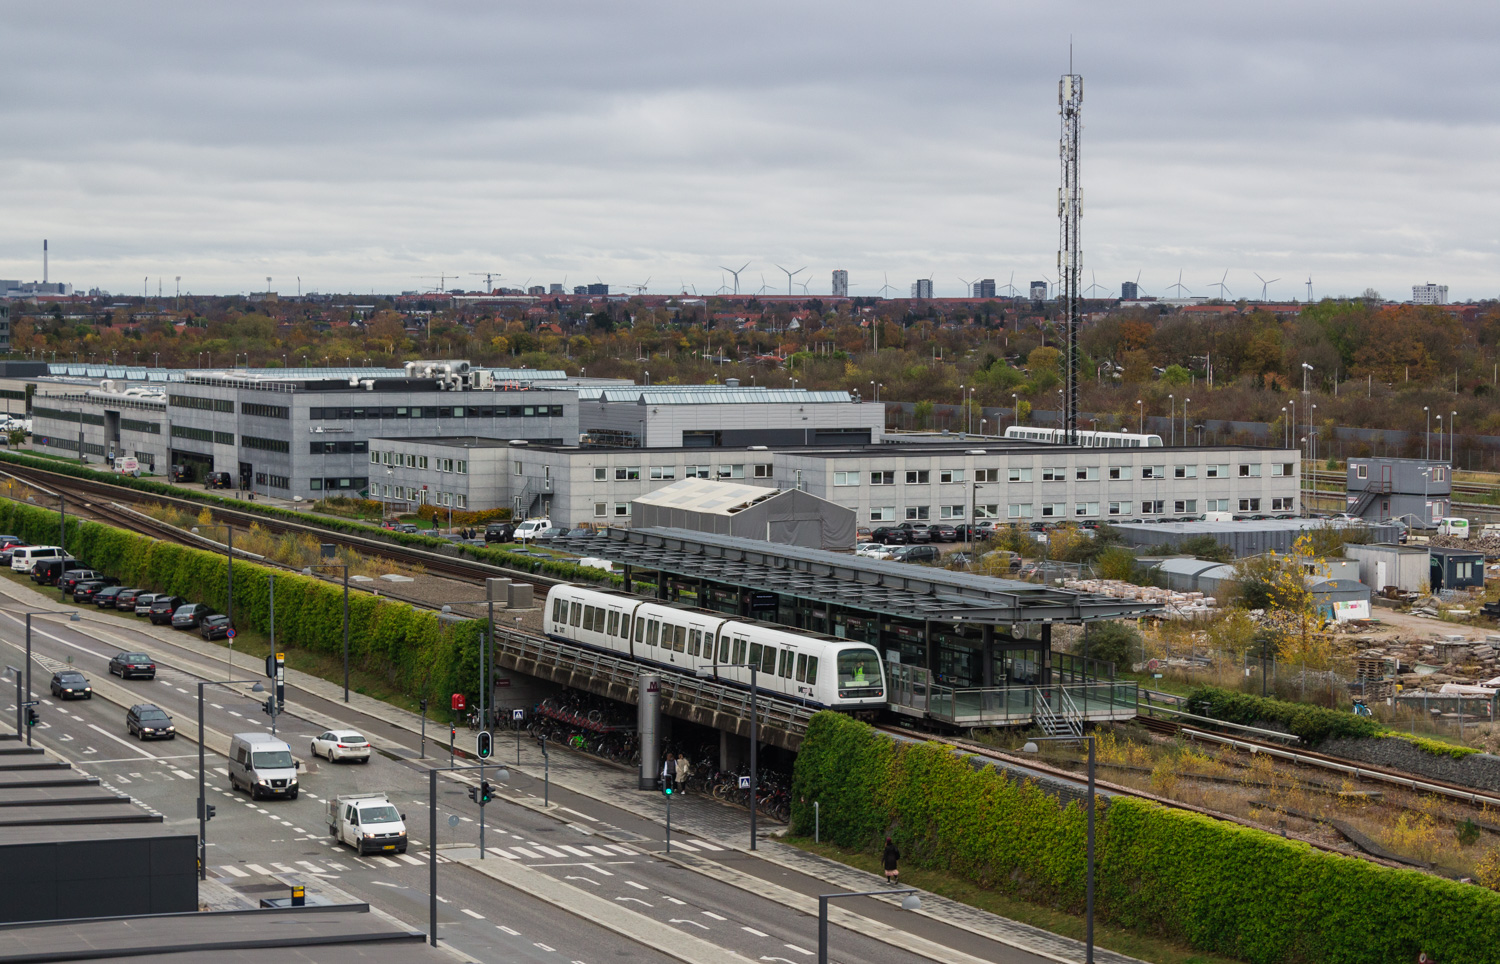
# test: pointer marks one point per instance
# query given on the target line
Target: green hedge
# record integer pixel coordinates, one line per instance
(1311, 724)
(537, 565)
(410, 648)
(1216, 886)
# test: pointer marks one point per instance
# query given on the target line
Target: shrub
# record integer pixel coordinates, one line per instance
(1311, 724)
(1114, 641)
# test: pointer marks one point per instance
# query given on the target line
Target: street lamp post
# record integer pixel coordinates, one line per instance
(754, 731)
(1452, 427)
(910, 902)
(202, 790)
(1141, 412)
(1185, 420)
(1171, 419)
(1427, 434)
(230, 566)
(20, 710)
(328, 551)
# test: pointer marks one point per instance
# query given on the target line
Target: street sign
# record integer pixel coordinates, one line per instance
(518, 715)
(231, 632)
(453, 820)
(744, 783)
(31, 703)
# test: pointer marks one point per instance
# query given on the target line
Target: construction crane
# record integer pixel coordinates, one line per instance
(441, 279)
(488, 276)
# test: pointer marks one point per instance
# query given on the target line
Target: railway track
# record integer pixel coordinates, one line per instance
(99, 495)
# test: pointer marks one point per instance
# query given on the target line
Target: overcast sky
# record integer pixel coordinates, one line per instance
(365, 145)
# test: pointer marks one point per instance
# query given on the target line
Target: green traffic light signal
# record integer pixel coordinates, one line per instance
(484, 744)
(31, 718)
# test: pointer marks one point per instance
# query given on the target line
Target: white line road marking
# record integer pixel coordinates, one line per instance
(502, 853)
(524, 852)
(257, 868)
(635, 899)
(408, 858)
(224, 773)
(385, 861)
(626, 851)
(599, 870)
(233, 713)
(472, 914)
(686, 846)
(444, 899)
(310, 866)
(338, 866)
(103, 732)
(751, 930)
(216, 706)
(799, 950)
(183, 775)
(122, 779)
(637, 886)
(549, 950)
(512, 933)
(709, 913)
(678, 920)
(179, 689)
(234, 870)
(299, 830)
(586, 880)
(283, 868)
(679, 903)
(310, 796)
(598, 850)
(705, 845)
(467, 819)
(573, 850)
(577, 814)
(548, 850)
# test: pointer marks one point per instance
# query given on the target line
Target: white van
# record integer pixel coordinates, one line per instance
(22, 560)
(1453, 526)
(262, 765)
(528, 529)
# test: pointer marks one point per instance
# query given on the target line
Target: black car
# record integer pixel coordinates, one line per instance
(190, 616)
(150, 722)
(218, 480)
(550, 533)
(973, 533)
(125, 599)
(69, 684)
(126, 665)
(108, 597)
(6, 554)
(408, 528)
(86, 591)
(212, 627)
(181, 473)
(70, 579)
(499, 532)
(48, 571)
(942, 532)
(890, 536)
(916, 554)
(162, 608)
(916, 533)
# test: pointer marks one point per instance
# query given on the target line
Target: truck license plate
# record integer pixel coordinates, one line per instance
(389, 846)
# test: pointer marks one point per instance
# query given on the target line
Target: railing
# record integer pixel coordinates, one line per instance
(706, 693)
(912, 688)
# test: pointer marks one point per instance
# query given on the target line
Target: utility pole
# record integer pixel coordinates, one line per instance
(1069, 255)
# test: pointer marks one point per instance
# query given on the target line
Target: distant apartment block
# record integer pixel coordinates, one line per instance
(840, 283)
(1129, 291)
(985, 288)
(921, 288)
(557, 289)
(597, 289)
(1039, 291)
(1429, 294)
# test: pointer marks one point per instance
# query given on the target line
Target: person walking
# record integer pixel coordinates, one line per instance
(888, 860)
(684, 770)
(669, 772)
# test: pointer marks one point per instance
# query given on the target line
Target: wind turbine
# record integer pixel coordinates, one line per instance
(736, 275)
(640, 289)
(968, 288)
(804, 285)
(1138, 290)
(1010, 286)
(1096, 284)
(790, 275)
(1264, 284)
(763, 285)
(1309, 289)
(1179, 285)
(1223, 288)
(887, 286)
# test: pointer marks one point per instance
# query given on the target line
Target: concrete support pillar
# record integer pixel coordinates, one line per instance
(987, 644)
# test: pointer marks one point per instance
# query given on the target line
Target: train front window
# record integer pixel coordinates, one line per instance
(858, 667)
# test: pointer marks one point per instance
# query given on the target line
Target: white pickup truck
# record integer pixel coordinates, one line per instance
(368, 822)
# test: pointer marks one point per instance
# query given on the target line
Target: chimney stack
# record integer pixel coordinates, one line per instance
(44, 261)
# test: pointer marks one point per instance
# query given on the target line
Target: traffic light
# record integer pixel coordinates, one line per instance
(208, 811)
(267, 707)
(474, 794)
(484, 745)
(423, 704)
(666, 787)
(486, 792)
(31, 718)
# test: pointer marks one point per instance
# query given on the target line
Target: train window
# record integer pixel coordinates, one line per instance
(739, 650)
(640, 630)
(724, 649)
(695, 637)
(679, 639)
(812, 670)
(652, 627)
(614, 624)
(560, 610)
(785, 669)
(625, 627)
(588, 618)
(768, 660)
(856, 668)
(755, 650)
(577, 614)
(801, 667)
(598, 620)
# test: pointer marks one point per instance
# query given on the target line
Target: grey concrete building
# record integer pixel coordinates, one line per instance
(1418, 491)
(787, 517)
(724, 416)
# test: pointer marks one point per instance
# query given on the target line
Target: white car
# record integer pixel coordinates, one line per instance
(341, 745)
(528, 530)
(872, 550)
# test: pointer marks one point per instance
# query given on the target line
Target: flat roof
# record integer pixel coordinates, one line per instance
(1205, 527)
(453, 441)
(711, 395)
(890, 588)
(708, 496)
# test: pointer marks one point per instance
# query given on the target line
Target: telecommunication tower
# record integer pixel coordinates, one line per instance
(1069, 256)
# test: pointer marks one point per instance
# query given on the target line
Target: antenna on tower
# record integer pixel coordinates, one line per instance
(44, 261)
(1069, 254)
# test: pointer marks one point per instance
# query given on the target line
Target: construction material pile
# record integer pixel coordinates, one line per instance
(1178, 605)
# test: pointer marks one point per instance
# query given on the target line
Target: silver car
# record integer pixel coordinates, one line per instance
(143, 603)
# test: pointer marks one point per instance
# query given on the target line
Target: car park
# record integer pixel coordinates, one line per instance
(127, 665)
(7, 554)
(125, 599)
(338, 745)
(24, 558)
(70, 580)
(916, 533)
(891, 536)
(550, 533)
(143, 603)
(69, 684)
(162, 608)
(528, 529)
(150, 722)
(212, 627)
(973, 532)
(108, 596)
(48, 571)
(942, 532)
(190, 615)
(85, 591)
(916, 554)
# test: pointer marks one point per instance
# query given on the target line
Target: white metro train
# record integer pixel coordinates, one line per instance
(816, 670)
(1087, 438)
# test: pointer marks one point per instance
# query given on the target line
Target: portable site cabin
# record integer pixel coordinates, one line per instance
(1455, 568)
(1387, 564)
(1341, 599)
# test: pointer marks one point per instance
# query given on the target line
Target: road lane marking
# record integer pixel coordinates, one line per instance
(512, 933)
(705, 845)
(284, 868)
(183, 775)
(598, 850)
(314, 868)
(686, 846)
(573, 850)
(385, 861)
(577, 814)
(103, 732)
(751, 930)
(221, 771)
(679, 903)
(230, 868)
(709, 913)
(408, 858)
(799, 950)
(257, 868)
(524, 852)
(549, 950)
(625, 851)
(637, 886)
(472, 914)
(548, 850)
(634, 899)
(502, 853)
(679, 920)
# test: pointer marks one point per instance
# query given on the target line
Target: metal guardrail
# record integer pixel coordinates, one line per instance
(912, 688)
(620, 672)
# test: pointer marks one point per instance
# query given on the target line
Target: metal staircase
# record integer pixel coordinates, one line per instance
(1058, 715)
(1373, 490)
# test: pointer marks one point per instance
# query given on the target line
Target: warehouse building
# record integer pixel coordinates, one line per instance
(786, 517)
(1247, 537)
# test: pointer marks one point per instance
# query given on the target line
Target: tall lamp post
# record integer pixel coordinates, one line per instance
(21, 710)
(1172, 419)
(1427, 434)
(1141, 414)
(328, 553)
(754, 730)
(229, 542)
(910, 902)
(1185, 420)
(202, 791)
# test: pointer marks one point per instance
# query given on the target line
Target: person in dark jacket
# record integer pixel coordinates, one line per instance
(888, 859)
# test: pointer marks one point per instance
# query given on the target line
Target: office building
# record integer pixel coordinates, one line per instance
(1429, 294)
(4, 328)
(1129, 291)
(1039, 291)
(597, 289)
(921, 288)
(556, 289)
(840, 283)
(985, 288)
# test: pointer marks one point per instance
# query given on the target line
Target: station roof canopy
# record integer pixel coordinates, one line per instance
(890, 588)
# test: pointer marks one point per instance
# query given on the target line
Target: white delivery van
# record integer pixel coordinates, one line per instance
(22, 560)
(1453, 526)
(262, 765)
(368, 822)
(528, 529)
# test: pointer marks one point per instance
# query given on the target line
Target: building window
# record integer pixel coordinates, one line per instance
(882, 478)
(1054, 509)
(1185, 471)
(1216, 505)
(1087, 473)
(462, 467)
(1216, 472)
(1153, 471)
(627, 472)
(1439, 474)
(1281, 469)
(1018, 511)
(516, 468)
(315, 484)
(951, 512)
(884, 513)
(1283, 504)
(732, 471)
(918, 477)
(1250, 471)
(1185, 505)
(622, 509)
(463, 502)
(1119, 508)
(1249, 505)
(374, 456)
(846, 478)
(265, 411)
(266, 444)
(1119, 473)
(1020, 475)
(1153, 507)
(1085, 508)
(663, 472)
(947, 476)
(1361, 471)
(701, 472)
(601, 474)
(601, 509)
(1059, 474)
(917, 513)
(763, 470)
(991, 511)
(272, 481)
